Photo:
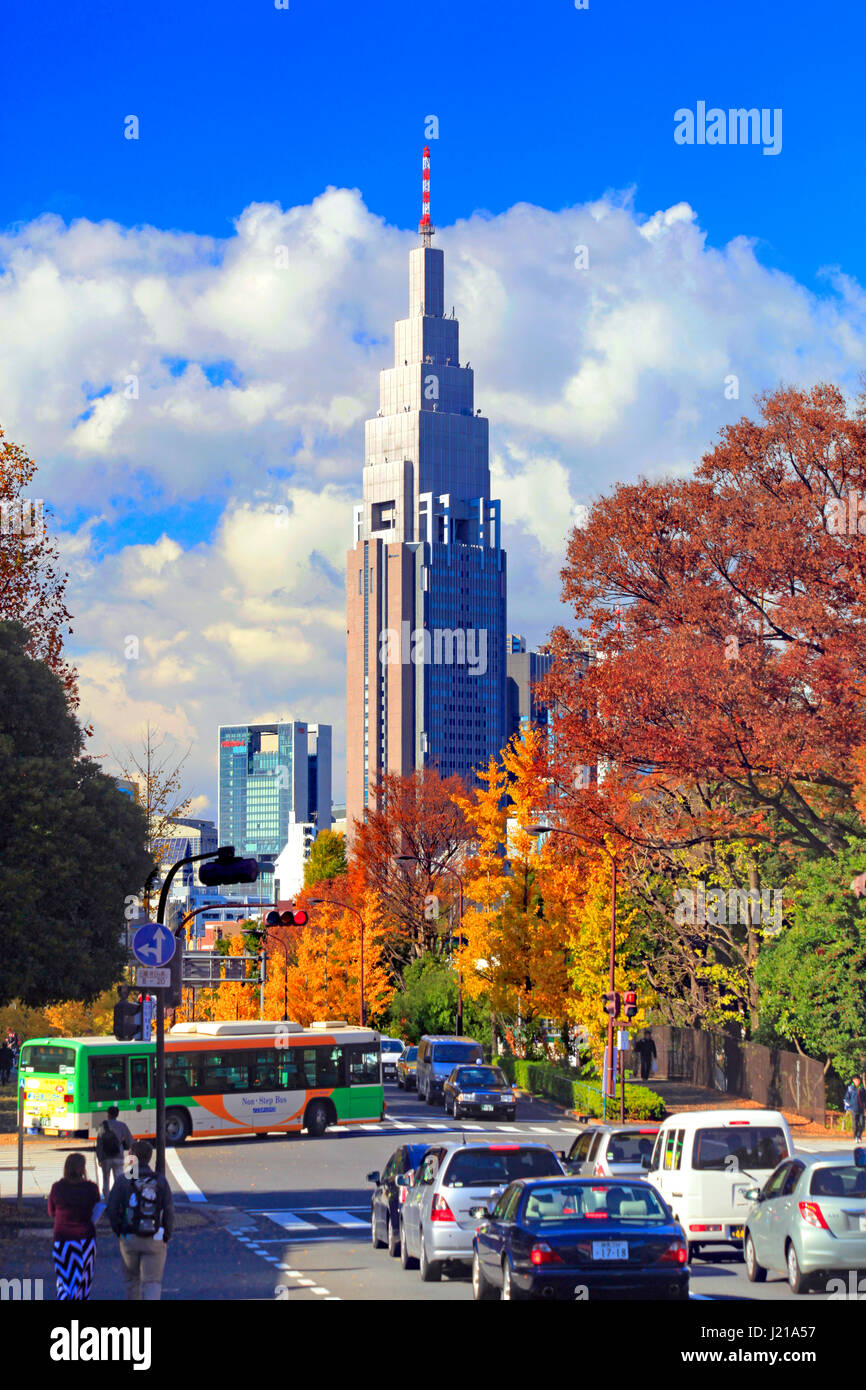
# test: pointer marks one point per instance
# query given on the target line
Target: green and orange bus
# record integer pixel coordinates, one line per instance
(221, 1079)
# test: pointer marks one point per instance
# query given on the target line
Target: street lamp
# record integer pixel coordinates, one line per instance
(610, 1080)
(332, 902)
(447, 869)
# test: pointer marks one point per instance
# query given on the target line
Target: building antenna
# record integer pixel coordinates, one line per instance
(425, 226)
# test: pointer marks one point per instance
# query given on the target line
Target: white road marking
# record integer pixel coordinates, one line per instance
(289, 1220)
(435, 1126)
(325, 1292)
(539, 1129)
(307, 1283)
(475, 1127)
(401, 1124)
(182, 1177)
(344, 1218)
(378, 1126)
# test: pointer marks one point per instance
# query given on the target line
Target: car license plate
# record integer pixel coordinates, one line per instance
(610, 1250)
(735, 1233)
(487, 1107)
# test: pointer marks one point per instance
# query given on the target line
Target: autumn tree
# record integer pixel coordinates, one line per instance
(32, 586)
(722, 701)
(414, 817)
(324, 980)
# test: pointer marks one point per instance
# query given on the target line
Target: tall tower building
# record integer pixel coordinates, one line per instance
(426, 577)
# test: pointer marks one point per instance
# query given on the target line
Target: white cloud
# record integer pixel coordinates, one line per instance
(257, 360)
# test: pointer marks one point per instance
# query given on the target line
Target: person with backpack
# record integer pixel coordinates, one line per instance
(855, 1103)
(141, 1212)
(113, 1139)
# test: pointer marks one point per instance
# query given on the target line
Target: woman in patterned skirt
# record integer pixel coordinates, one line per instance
(71, 1203)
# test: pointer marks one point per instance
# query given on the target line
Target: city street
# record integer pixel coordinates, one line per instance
(300, 1207)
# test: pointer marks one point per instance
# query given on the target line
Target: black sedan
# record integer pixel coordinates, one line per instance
(389, 1196)
(479, 1090)
(579, 1238)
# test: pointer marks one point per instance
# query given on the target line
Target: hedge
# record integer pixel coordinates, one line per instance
(543, 1078)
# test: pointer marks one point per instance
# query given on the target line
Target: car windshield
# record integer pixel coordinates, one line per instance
(480, 1076)
(629, 1147)
(751, 1146)
(609, 1204)
(410, 1055)
(478, 1167)
(456, 1052)
(389, 1046)
(842, 1180)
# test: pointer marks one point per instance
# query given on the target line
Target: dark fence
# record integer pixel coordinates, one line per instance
(776, 1079)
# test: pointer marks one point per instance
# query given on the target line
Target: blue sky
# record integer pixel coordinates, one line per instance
(207, 511)
(538, 102)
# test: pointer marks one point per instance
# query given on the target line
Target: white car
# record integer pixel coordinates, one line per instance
(704, 1162)
(391, 1051)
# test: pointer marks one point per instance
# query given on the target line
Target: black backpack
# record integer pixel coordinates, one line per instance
(144, 1207)
(111, 1145)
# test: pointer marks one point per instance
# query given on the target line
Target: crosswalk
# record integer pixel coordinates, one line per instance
(393, 1125)
(306, 1224)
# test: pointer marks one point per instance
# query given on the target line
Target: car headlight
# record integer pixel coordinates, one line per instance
(507, 1097)
(466, 1095)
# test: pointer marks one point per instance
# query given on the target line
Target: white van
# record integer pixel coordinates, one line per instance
(704, 1162)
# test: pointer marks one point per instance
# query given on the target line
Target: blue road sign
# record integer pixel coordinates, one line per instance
(153, 944)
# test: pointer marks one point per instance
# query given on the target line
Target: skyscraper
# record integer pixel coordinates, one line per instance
(426, 577)
(269, 776)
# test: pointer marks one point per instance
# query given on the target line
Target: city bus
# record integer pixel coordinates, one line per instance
(221, 1079)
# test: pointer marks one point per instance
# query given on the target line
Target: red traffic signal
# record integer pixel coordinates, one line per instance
(630, 1001)
(611, 1002)
(298, 918)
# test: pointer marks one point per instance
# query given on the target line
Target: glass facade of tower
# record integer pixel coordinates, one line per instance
(270, 775)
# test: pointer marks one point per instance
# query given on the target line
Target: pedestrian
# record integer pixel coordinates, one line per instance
(141, 1212)
(74, 1205)
(646, 1049)
(6, 1059)
(855, 1103)
(113, 1138)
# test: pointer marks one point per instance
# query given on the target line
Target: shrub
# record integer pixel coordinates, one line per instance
(542, 1078)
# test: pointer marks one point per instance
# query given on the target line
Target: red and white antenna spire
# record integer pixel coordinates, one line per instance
(425, 226)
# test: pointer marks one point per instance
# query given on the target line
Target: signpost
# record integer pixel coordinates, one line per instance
(153, 977)
(153, 944)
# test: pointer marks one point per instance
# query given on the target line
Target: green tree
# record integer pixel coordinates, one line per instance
(428, 1004)
(811, 977)
(327, 859)
(72, 846)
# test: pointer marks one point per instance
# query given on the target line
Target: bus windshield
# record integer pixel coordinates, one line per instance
(50, 1061)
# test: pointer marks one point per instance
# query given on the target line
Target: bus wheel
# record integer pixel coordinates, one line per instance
(177, 1127)
(317, 1117)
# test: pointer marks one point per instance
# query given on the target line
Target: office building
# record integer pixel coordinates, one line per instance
(426, 577)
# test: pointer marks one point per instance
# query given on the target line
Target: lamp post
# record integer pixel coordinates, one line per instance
(610, 1079)
(332, 902)
(447, 869)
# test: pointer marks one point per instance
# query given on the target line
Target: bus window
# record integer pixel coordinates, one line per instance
(138, 1077)
(328, 1066)
(225, 1071)
(181, 1073)
(364, 1067)
(107, 1076)
(265, 1072)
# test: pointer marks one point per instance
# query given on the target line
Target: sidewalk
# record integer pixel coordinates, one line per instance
(679, 1095)
(43, 1164)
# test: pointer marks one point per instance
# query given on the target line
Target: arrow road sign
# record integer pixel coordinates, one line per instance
(153, 944)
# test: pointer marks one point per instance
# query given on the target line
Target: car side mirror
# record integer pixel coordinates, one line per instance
(561, 1155)
(646, 1160)
(754, 1194)
(373, 1177)
(478, 1213)
(404, 1180)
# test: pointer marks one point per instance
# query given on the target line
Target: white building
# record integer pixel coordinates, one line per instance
(289, 866)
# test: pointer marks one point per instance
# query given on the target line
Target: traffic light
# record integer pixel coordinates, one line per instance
(298, 918)
(127, 1018)
(611, 1002)
(630, 1001)
(227, 868)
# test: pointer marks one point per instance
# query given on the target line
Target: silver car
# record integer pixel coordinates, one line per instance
(809, 1218)
(435, 1224)
(611, 1151)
